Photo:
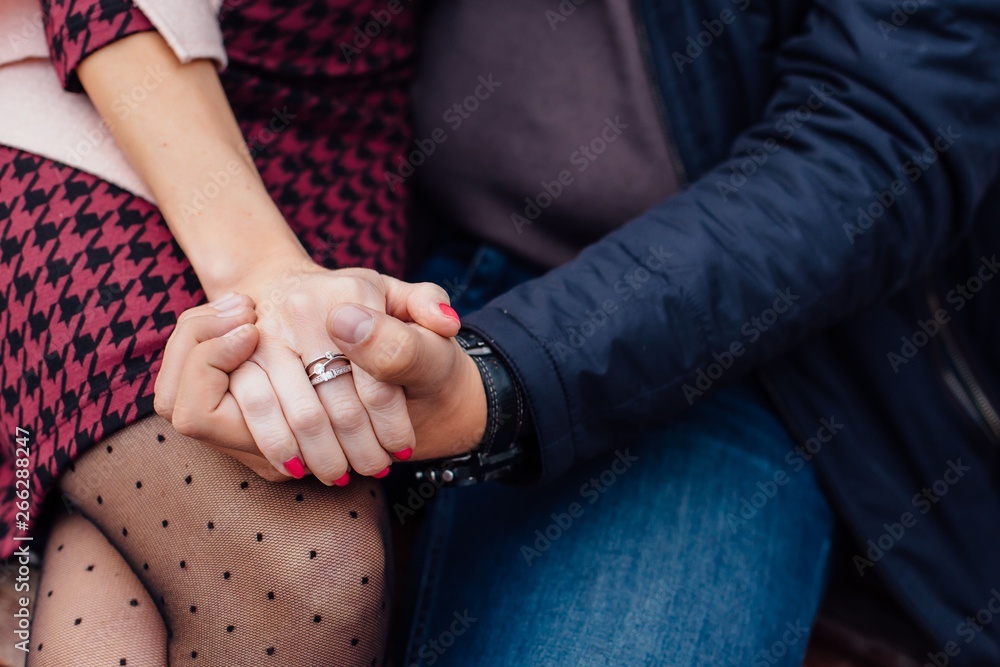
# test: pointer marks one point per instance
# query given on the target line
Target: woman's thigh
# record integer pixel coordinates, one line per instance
(242, 570)
(91, 608)
(704, 542)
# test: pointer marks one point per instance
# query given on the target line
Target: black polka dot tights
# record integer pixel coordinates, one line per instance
(179, 555)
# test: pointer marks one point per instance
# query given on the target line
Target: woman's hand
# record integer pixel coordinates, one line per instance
(352, 420)
(208, 343)
(445, 397)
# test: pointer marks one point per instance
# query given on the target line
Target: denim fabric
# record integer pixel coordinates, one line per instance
(473, 273)
(681, 547)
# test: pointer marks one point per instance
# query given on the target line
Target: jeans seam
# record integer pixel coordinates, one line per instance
(441, 519)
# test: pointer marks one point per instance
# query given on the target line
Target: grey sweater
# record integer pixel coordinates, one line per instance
(536, 125)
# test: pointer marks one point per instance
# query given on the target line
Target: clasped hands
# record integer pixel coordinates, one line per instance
(233, 374)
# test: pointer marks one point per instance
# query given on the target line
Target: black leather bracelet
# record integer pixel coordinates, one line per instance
(500, 453)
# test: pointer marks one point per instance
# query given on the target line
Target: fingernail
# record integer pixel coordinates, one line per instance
(352, 324)
(404, 454)
(343, 480)
(232, 312)
(238, 331)
(380, 475)
(448, 311)
(295, 468)
(226, 301)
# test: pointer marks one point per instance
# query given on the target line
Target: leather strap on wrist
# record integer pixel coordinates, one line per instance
(500, 453)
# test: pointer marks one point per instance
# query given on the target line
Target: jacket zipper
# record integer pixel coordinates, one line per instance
(964, 386)
(657, 92)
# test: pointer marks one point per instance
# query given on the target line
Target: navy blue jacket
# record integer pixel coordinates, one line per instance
(838, 235)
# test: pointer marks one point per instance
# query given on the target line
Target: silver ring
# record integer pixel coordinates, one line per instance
(319, 364)
(326, 376)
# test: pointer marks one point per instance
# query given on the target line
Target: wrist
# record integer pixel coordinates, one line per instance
(238, 234)
(243, 266)
(457, 425)
(186, 145)
(492, 419)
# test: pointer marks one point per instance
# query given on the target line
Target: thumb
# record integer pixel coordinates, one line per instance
(205, 377)
(388, 349)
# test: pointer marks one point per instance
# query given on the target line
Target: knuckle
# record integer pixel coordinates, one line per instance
(246, 301)
(187, 424)
(257, 404)
(397, 435)
(327, 467)
(397, 357)
(436, 291)
(298, 301)
(358, 289)
(302, 305)
(162, 405)
(268, 472)
(370, 461)
(276, 447)
(308, 419)
(349, 416)
(380, 395)
(185, 317)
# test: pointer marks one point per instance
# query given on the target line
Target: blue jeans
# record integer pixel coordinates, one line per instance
(679, 548)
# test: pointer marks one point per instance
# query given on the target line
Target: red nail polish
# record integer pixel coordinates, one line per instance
(343, 480)
(380, 475)
(448, 311)
(294, 467)
(404, 454)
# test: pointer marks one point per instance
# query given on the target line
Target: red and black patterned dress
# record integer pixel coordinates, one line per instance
(91, 281)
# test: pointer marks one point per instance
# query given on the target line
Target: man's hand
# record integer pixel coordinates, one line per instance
(444, 390)
(445, 397)
(351, 423)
